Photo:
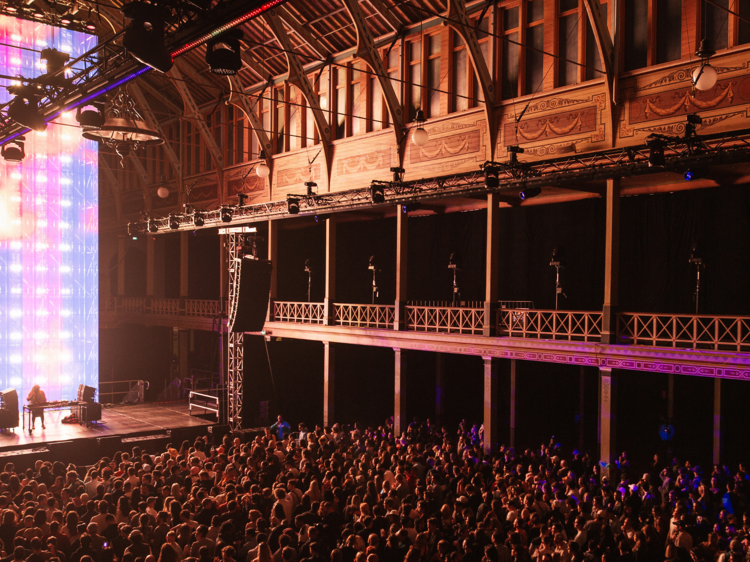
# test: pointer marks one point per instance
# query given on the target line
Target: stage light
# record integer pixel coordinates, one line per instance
(241, 199)
(144, 37)
(37, 14)
(90, 26)
(24, 109)
(226, 213)
(530, 192)
(262, 170)
(704, 76)
(377, 193)
(409, 207)
(223, 53)
(656, 152)
(56, 60)
(11, 8)
(199, 218)
(398, 173)
(90, 119)
(174, 221)
(292, 205)
(309, 185)
(66, 18)
(420, 137)
(14, 151)
(152, 226)
(491, 177)
(688, 175)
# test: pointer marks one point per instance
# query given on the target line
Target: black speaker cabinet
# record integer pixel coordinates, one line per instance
(8, 409)
(252, 296)
(87, 413)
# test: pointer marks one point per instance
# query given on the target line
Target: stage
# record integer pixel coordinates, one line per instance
(150, 426)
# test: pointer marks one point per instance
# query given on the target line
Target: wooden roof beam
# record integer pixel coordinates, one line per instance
(303, 33)
(299, 80)
(160, 97)
(252, 64)
(114, 188)
(154, 122)
(365, 50)
(457, 13)
(606, 47)
(389, 17)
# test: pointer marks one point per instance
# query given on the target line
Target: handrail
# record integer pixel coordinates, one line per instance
(167, 307)
(570, 325)
(364, 315)
(299, 312)
(205, 402)
(692, 331)
(445, 319)
(203, 307)
(142, 386)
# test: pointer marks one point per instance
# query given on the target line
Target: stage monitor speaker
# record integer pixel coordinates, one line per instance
(85, 393)
(252, 296)
(9, 399)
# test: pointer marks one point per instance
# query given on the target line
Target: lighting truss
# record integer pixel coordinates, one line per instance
(565, 172)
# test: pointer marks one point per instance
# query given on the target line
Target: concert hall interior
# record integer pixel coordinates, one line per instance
(379, 257)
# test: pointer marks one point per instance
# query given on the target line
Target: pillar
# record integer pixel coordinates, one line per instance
(120, 266)
(717, 421)
(329, 379)
(150, 274)
(607, 420)
(402, 244)
(273, 254)
(184, 264)
(330, 289)
(491, 368)
(611, 262)
(581, 405)
(512, 404)
(492, 264)
(184, 343)
(439, 368)
(670, 398)
(399, 392)
(224, 266)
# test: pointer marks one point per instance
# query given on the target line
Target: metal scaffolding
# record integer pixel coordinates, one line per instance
(235, 364)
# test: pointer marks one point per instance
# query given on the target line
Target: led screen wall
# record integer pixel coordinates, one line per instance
(48, 237)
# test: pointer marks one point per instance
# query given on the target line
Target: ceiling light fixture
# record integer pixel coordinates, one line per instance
(420, 137)
(223, 53)
(24, 109)
(14, 151)
(704, 76)
(262, 170)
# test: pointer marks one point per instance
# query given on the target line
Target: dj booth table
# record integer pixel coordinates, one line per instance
(86, 412)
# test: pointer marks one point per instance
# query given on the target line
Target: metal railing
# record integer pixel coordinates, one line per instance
(204, 402)
(108, 304)
(445, 319)
(133, 304)
(364, 315)
(122, 389)
(550, 324)
(728, 333)
(203, 308)
(166, 307)
(516, 304)
(299, 312)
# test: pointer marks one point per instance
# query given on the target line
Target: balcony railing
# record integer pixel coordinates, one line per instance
(165, 307)
(364, 315)
(133, 305)
(202, 308)
(299, 312)
(550, 324)
(728, 333)
(445, 319)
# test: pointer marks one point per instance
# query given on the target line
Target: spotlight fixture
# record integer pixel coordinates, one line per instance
(693, 120)
(11, 8)
(14, 151)
(226, 213)
(37, 14)
(199, 218)
(292, 205)
(688, 175)
(56, 60)
(377, 193)
(409, 208)
(262, 170)
(491, 177)
(24, 108)
(309, 185)
(174, 221)
(152, 226)
(398, 174)
(144, 37)
(66, 18)
(420, 136)
(223, 53)
(656, 151)
(530, 192)
(704, 76)
(90, 119)
(241, 199)
(90, 26)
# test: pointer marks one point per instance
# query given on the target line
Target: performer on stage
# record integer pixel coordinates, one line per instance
(36, 396)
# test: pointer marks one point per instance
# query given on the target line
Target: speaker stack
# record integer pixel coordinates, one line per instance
(251, 299)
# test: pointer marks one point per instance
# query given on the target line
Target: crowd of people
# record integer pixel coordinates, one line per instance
(350, 494)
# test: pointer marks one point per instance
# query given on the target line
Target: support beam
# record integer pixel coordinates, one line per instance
(607, 421)
(491, 368)
(717, 422)
(365, 50)
(439, 388)
(329, 380)
(400, 422)
(512, 402)
(611, 262)
(581, 407)
(330, 289)
(150, 274)
(160, 97)
(303, 33)
(154, 122)
(121, 266)
(114, 187)
(184, 241)
(252, 64)
(143, 177)
(606, 46)
(184, 349)
(402, 251)
(492, 265)
(238, 98)
(193, 113)
(457, 13)
(297, 78)
(388, 15)
(670, 398)
(273, 254)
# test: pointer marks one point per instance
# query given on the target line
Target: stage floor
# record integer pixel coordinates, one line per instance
(117, 420)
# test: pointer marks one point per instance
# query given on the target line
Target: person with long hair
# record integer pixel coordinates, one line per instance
(36, 397)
